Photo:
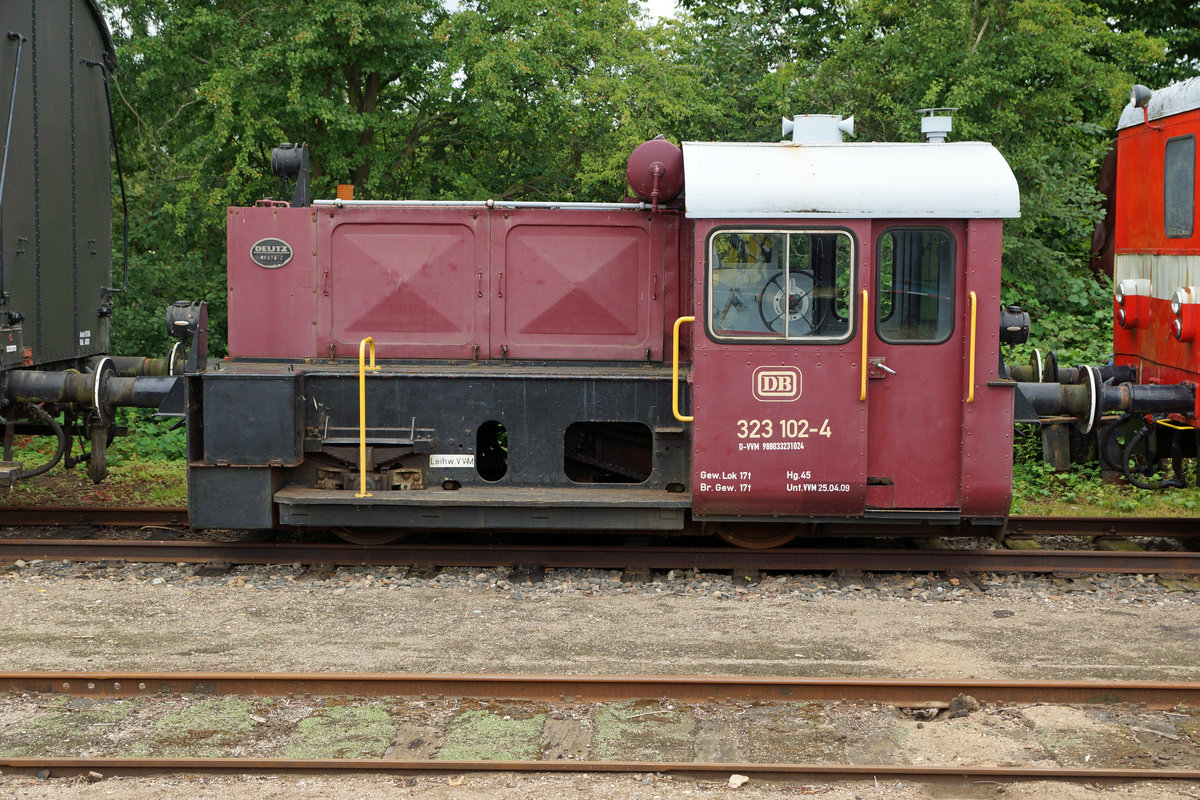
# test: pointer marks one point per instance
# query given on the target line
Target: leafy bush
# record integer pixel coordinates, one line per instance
(150, 438)
(1075, 321)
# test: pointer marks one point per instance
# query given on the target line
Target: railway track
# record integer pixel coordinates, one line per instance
(35, 516)
(576, 690)
(1021, 554)
(628, 557)
(683, 688)
(91, 516)
(958, 775)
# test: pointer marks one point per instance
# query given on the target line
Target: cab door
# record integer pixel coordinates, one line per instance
(917, 366)
(780, 418)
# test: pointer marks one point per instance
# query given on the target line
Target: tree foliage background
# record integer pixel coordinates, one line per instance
(520, 100)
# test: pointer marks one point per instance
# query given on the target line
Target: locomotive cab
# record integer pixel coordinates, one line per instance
(847, 306)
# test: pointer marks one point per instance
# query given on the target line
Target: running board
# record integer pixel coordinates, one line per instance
(598, 508)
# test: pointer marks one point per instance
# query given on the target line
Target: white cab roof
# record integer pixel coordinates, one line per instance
(955, 180)
(1174, 99)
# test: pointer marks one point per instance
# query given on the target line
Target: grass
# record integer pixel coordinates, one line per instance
(1084, 491)
(480, 734)
(207, 729)
(132, 483)
(345, 731)
(145, 469)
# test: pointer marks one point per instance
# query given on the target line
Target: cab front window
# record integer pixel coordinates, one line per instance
(780, 285)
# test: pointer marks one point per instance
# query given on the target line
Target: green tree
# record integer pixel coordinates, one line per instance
(1043, 80)
(1175, 22)
(753, 49)
(547, 103)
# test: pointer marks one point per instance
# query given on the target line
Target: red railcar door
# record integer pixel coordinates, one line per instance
(780, 422)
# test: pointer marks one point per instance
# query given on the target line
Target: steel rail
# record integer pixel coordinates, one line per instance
(684, 688)
(70, 515)
(1181, 527)
(1173, 527)
(609, 557)
(59, 767)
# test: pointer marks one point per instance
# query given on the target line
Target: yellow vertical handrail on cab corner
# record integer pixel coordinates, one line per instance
(971, 359)
(862, 392)
(362, 412)
(675, 370)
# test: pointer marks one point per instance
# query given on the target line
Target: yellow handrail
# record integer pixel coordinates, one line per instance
(362, 412)
(675, 370)
(862, 392)
(971, 359)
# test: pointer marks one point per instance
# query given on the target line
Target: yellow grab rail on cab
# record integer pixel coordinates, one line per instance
(675, 370)
(862, 392)
(362, 412)
(971, 359)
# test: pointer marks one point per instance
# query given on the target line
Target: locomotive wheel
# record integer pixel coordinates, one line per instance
(1113, 438)
(756, 535)
(369, 537)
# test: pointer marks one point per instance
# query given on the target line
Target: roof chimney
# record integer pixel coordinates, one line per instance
(936, 123)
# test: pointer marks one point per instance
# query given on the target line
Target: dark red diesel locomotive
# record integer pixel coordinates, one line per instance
(775, 338)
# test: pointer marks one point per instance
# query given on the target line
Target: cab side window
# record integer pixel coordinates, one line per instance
(914, 294)
(1179, 187)
(790, 285)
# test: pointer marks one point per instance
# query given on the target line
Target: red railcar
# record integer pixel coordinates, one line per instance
(1156, 322)
(1156, 308)
(807, 336)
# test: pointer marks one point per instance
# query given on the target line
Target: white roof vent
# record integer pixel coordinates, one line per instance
(936, 123)
(817, 128)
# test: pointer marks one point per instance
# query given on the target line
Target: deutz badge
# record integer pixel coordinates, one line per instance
(271, 253)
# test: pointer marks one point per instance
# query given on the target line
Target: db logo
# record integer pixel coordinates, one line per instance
(776, 384)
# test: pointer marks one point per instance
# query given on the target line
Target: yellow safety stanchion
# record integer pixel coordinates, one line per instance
(675, 370)
(362, 412)
(862, 392)
(971, 361)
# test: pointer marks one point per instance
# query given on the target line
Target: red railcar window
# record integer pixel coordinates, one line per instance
(914, 287)
(792, 285)
(1179, 187)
